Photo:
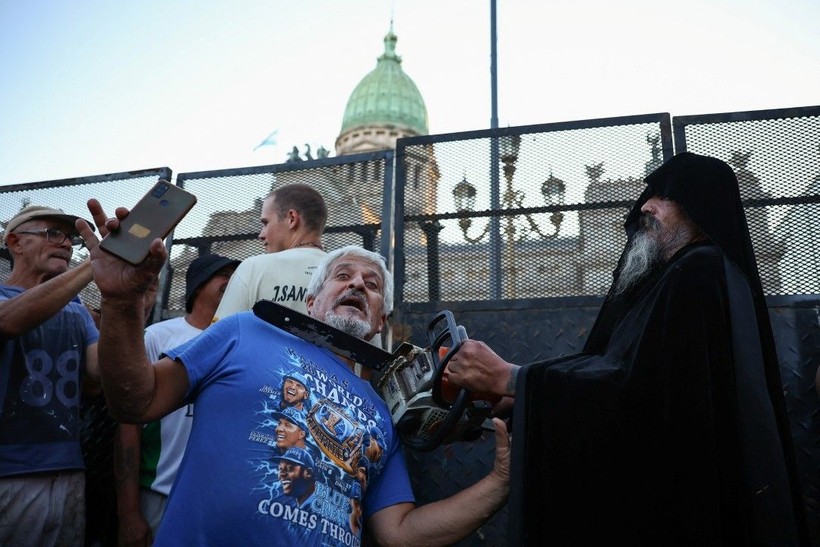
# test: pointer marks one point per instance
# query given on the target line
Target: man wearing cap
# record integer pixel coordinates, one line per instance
(291, 429)
(297, 477)
(147, 457)
(293, 219)
(295, 392)
(230, 371)
(48, 342)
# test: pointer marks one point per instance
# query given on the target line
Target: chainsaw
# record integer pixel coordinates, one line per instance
(425, 409)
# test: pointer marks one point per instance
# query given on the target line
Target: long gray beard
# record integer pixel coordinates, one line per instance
(644, 252)
(351, 325)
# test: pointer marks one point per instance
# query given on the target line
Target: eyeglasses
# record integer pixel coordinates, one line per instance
(56, 236)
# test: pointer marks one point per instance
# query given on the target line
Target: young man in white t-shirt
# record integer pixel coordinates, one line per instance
(293, 219)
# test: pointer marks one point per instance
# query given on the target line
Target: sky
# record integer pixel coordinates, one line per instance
(90, 87)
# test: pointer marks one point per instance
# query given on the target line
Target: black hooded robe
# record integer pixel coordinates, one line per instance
(670, 427)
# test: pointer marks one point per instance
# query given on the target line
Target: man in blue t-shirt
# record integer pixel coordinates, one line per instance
(230, 485)
(48, 345)
(146, 457)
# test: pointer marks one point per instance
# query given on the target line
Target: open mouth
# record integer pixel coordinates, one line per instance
(353, 300)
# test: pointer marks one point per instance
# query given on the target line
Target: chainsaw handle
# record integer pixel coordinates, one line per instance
(455, 335)
(458, 335)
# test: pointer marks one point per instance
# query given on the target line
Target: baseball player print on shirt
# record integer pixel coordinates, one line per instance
(324, 441)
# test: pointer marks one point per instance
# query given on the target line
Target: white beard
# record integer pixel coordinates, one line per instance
(651, 245)
(644, 252)
(360, 328)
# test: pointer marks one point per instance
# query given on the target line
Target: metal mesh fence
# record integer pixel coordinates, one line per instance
(71, 195)
(543, 219)
(776, 157)
(524, 212)
(226, 218)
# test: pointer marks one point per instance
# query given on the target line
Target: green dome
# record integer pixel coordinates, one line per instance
(386, 96)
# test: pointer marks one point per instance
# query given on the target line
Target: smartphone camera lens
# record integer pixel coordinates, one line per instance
(160, 189)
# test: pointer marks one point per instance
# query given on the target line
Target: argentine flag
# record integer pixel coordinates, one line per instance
(270, 140)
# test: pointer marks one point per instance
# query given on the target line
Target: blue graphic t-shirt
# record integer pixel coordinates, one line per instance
(288, 446)
(40, 381)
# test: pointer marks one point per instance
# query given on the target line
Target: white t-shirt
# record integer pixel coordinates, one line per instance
(167, 445)
(282, 277)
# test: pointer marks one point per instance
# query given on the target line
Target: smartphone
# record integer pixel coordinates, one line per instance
(154, 216)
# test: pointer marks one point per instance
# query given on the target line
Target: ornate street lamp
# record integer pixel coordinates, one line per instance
(553, 191)
(464, 195)
(508, 146)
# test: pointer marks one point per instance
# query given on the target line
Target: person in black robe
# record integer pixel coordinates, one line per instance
(670, 427)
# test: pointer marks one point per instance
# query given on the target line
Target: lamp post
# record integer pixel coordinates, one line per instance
(464, 195)
(553, 192)
(509, 146)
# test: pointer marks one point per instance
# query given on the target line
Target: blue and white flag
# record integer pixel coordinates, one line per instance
(270, 140)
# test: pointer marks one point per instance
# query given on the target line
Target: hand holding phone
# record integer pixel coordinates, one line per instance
(154, 216)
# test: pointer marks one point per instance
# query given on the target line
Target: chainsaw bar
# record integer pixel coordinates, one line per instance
(323, 335)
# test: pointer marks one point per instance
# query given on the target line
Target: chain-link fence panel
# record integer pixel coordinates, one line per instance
(70, 195)
(523, 212)
(226, 219)
(776, 157)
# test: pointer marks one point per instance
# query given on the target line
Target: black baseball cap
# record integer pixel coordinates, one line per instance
(200, 271)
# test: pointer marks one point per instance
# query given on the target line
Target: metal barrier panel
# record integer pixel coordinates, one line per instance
(70, 195)
(521, 212)
(776, 157)
(526, 331)
(796, 329)
(516, 231)
(357, 190)
(532, 295)
(520, 331)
